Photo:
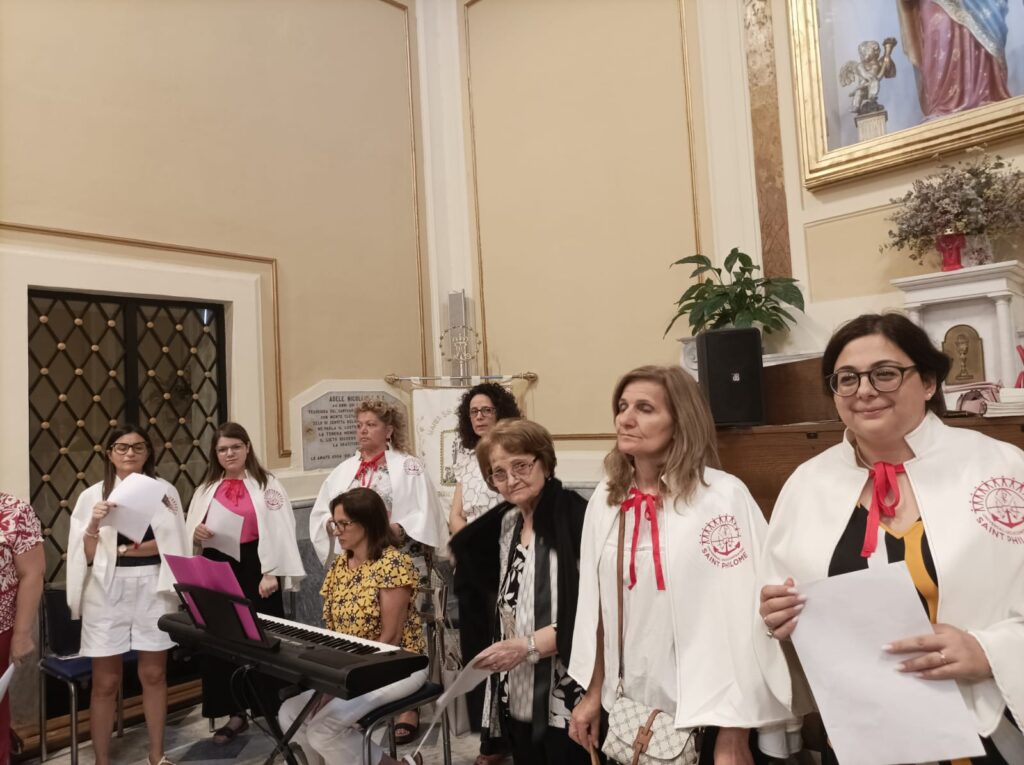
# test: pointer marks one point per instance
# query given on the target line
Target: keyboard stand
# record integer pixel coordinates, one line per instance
(218, 614)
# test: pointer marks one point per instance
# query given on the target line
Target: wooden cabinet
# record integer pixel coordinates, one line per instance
(764, 457)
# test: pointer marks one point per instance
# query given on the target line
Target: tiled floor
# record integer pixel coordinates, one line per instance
(188, 743)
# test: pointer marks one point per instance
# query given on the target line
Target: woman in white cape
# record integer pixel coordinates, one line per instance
(903, 486)
(120, 588)
(401, 480)
(268, 551)
(692, 539)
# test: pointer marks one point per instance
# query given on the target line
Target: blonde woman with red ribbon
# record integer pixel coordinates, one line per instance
(383, 464)
(524, 554)
(268, 562)
(903, 486)
(691, 539)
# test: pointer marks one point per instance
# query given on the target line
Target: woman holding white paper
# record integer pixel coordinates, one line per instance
(268, 559)
(903, 486)
(120, 588)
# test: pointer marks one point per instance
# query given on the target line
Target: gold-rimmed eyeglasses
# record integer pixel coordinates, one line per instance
(884, 379)
(519, 469)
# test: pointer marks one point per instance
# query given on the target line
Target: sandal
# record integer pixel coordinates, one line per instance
(406, 732)
(163, 761)
(226, 734)
(411, 759)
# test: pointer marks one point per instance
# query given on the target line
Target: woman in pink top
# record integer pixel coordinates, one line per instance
(268, 557)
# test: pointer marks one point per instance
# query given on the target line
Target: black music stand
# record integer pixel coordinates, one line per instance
(215, 613)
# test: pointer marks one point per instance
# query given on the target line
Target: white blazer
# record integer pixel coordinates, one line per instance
(970, 491)
(414, 506)
(718, 681)
(168, 529)
(277, 546)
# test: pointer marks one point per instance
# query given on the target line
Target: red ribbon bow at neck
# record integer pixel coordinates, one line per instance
(883, 476)
(234, 490)
(367, 468)
(644, 506)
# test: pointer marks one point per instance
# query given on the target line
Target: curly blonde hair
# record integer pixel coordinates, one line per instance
(389, 414)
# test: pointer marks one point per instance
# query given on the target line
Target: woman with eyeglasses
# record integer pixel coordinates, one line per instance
(368, 593)
(481, 407)
(524, 554)
(678, 541)
(268, 563)
(382, 463)
(120, 588)
(904, 487)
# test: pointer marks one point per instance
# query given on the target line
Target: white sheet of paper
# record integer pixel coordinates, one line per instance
(873, 713)
(469, 678)
(137, 498)
(5, 680)
(226, 528)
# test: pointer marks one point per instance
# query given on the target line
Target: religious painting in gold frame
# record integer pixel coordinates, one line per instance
(870, 94)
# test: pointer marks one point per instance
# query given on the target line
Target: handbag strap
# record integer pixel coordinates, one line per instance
(643, 736)
(619, 554)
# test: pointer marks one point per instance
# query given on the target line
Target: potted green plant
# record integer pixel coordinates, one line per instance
(958, 210)
(725, 307)
(744, 300)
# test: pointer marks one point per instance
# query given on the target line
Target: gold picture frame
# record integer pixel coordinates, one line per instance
(823, 166)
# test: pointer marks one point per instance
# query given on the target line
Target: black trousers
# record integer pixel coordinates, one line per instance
(222, 696)
(555, 748)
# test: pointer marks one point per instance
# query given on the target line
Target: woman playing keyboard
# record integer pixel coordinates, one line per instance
(367, 593)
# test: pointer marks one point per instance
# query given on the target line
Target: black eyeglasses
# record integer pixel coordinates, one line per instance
(138, 448)
(519, 469)
(336, 527)
(483, 411)
(884, 379)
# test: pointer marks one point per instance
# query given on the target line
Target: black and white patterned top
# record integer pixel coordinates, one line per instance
(477, 497)
(516, 615)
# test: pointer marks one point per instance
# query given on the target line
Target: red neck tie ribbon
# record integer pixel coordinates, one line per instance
(234, 490)
(644, 506)
(367, 468)
(884, 483)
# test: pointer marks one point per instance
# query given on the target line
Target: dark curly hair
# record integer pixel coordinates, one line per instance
(504, 406)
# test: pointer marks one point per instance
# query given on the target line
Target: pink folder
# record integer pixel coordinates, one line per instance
(198, 571)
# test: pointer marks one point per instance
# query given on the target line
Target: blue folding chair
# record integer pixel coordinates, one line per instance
(59, 639)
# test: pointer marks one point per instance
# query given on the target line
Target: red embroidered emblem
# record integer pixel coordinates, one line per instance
(413, 466)
(721, 543)
(274, 499)
(998, 506)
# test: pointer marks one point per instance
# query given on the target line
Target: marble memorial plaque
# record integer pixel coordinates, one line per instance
(329, 426)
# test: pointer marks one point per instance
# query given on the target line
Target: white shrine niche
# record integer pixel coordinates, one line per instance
(989, 298)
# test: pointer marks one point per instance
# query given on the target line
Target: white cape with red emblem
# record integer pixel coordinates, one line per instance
(970, 491)
(711, 546)
(277, 548)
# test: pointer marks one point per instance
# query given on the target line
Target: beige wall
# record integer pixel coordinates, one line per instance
(277, 128)
(836, 231)
(579, 133)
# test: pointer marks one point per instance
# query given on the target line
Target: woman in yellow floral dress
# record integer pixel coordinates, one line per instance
(367, 593)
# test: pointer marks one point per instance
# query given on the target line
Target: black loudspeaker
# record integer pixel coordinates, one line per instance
(729, 367)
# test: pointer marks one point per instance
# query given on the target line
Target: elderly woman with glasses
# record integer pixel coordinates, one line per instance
(525, 554)
(904, 487)
(367, 592)
(120, 588)
(268, 558)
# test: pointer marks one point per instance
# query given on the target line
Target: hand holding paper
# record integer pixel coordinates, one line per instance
(873, 713)
(226, 528)
(134, 503)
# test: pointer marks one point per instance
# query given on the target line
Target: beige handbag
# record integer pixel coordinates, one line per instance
(638, 734)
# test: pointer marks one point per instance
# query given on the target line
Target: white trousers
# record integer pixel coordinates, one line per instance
(331, 736)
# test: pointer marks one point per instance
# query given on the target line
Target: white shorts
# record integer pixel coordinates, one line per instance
(124, 619)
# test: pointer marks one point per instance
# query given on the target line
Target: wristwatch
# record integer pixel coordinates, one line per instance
(532, 654)
(121, 550)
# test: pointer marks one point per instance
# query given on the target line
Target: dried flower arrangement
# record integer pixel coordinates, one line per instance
(982, 195)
